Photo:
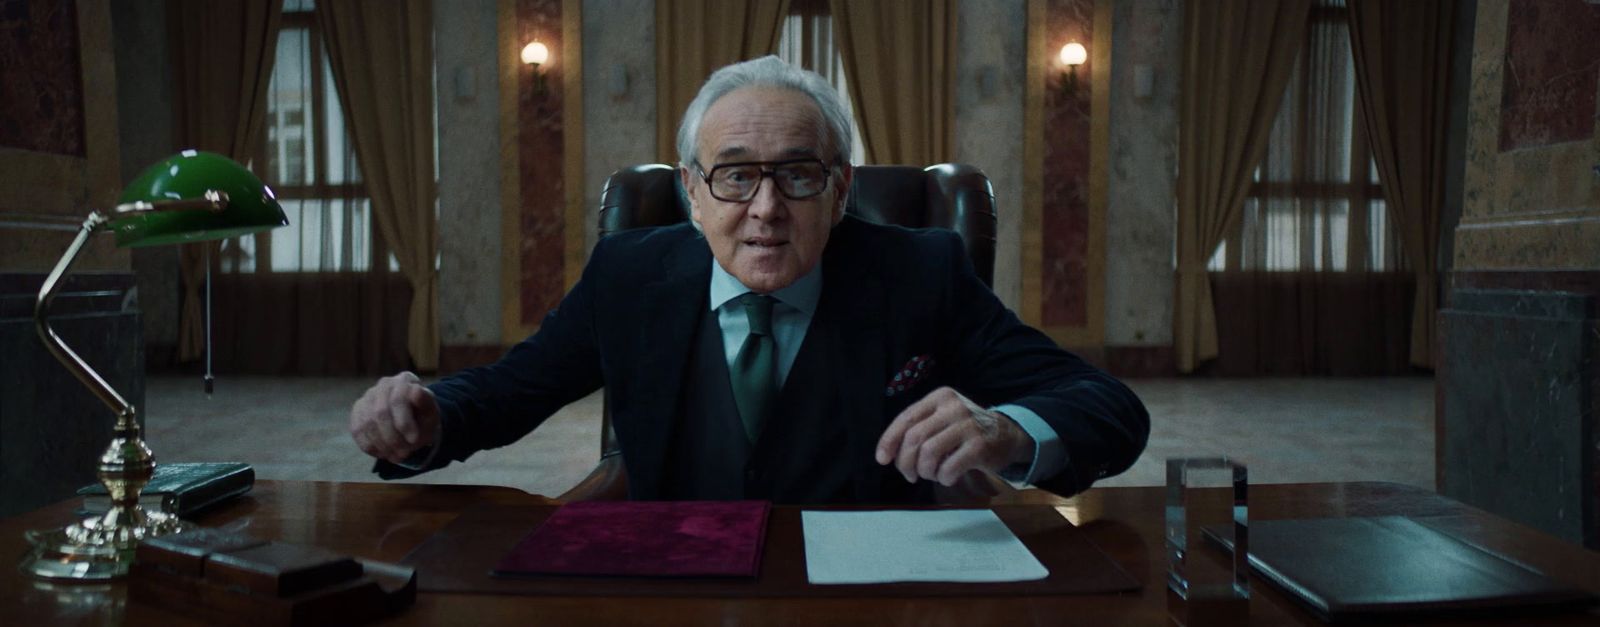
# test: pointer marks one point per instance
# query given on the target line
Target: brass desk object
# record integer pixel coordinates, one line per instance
(190, 197)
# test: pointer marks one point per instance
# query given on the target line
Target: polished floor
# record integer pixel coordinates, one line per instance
(1285, 430)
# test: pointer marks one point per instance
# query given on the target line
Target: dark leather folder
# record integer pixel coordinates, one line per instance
(1370, 568)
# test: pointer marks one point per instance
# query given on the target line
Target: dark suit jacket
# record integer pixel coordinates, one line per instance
(889, 294)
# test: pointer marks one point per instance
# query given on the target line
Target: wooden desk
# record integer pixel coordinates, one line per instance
(385, 521)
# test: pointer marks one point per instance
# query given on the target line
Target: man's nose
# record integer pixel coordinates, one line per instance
(768, 203)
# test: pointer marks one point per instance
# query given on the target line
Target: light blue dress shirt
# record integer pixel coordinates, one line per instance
(791, 317)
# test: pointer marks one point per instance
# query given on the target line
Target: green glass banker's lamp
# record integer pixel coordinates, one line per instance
(191, 197)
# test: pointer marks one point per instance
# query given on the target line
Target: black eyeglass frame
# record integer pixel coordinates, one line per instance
(769, 170)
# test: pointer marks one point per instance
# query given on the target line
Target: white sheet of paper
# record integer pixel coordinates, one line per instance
(963, 545)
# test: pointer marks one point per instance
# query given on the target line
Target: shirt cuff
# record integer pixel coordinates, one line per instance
(1049, 454)
(422, 458)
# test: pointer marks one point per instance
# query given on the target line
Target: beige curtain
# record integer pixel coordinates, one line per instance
(1314, 203)
(899, 57)
(222, 55)
(1402, 62)
(1309, 280)
(382, 58)
(317, 297)
(693, 39)
(1238, 55)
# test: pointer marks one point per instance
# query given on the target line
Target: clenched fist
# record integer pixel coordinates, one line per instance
(395, 418)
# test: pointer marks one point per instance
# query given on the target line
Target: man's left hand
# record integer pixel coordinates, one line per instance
(945, 435)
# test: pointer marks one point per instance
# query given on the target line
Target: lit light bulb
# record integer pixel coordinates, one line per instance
(536, 53)
(1071, 54)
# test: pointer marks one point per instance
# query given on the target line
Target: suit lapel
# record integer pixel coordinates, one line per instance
(851, 315)
(667, 318)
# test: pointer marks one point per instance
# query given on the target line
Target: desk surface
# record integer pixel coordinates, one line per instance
(386, 521)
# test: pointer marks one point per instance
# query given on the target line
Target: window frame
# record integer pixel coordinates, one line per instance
(317, 188)
(1361, 192)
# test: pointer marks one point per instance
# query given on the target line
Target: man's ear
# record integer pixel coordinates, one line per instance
(687, 179)
(847, 174)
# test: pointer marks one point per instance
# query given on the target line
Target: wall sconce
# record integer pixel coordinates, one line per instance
(536, 54)
(1072, 56)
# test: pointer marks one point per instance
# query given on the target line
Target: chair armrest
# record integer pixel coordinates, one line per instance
(607, 482)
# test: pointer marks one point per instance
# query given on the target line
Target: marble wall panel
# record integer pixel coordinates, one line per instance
(1065, 211)
(469, 172)
(619, 96)
(1552, 67)
(1517, 381)
(1537, 206)
(44, 196)
(1519, 390)
(541, 222)
(991, 76)
(42, 78)
(1147, 40)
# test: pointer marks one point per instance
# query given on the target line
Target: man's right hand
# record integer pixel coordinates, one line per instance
(395, 418)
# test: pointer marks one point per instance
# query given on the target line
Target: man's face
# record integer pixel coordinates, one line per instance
(769, 241)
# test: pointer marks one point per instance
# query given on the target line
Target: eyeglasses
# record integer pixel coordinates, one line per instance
(797, 179)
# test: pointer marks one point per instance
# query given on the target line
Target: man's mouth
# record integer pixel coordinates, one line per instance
(765, 242)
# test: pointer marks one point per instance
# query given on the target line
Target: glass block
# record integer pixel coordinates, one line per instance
(1207, 585)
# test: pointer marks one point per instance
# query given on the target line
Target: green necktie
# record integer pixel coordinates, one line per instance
(754, 371)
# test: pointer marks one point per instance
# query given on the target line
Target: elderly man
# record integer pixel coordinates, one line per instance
(778, 349)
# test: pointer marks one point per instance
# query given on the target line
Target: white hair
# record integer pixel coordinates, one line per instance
(767, 71)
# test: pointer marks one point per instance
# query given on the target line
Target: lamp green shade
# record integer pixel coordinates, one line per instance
(187, 176)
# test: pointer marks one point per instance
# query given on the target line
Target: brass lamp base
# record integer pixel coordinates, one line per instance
(95, 549)
(102, 547)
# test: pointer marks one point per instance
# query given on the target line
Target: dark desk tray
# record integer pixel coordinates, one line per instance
(230, 578)
(1393, 567)
(459, 558)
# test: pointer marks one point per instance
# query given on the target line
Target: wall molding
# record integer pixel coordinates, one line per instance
(1141, 362)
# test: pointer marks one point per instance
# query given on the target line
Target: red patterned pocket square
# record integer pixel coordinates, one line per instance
(910, 375)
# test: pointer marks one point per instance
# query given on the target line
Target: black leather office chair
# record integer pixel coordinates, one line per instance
(949, 195)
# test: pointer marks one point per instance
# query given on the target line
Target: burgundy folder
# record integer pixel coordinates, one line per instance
(644, 539)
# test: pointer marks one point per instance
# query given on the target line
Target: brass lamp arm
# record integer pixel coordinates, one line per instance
(41, 308)
(212, 201)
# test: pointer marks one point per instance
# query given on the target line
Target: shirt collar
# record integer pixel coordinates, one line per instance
(802, 294)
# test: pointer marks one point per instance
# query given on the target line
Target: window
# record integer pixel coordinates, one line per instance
(807, 41)
(1315, 203)
(308, 160)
